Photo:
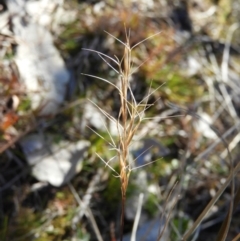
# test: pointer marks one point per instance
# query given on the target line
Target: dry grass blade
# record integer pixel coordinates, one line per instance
(108, 63)
(111, 144)
(102, 54)
(117, 39)
(224, 228)
(106, 163)
(237, 237)
(164, 210)
(144, 165)
(88, 212)
(211, 203)
(94, 76)
(145, 40)
(222, 235)
(223, 232)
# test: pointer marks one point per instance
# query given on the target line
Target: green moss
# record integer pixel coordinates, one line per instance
(132, 187)
(182, 224)
(60, 195)
(68, 39)
(9, 55)
(26, 221)
(168, 140)
(160, 168)
(150, 205)
(82, 235)
(25, 105)
(177, 88)
(57, 137)
(70, 45)
(112, 193)
(4, 228)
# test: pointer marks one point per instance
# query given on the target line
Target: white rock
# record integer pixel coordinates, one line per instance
(53, 163)
(50, 13)
(194, 66)
(4, 19)
(93, 116)
(203, 126)
(40, 65)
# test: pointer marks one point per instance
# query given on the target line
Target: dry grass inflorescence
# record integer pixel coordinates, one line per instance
(131, 113)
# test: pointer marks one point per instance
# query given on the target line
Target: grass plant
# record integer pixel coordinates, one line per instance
(131, 113)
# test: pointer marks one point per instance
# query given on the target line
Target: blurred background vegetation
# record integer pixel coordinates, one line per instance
(194, 63)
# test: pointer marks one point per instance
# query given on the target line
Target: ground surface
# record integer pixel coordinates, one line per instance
(191, 69)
